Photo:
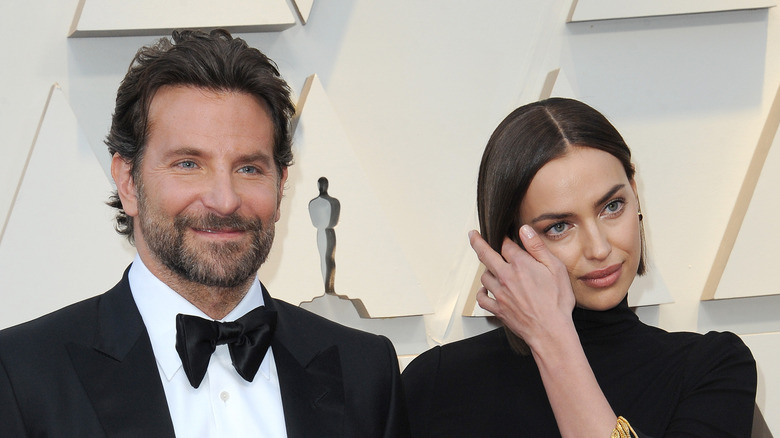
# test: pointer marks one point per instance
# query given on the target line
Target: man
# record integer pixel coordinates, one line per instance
(201, 144)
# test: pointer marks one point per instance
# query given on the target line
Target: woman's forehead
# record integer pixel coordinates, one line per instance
(579, 177)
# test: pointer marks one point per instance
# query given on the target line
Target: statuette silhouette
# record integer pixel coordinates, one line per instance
(324, 211)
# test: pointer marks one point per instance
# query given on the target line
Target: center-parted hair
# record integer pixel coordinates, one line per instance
(527, 139)
(215, 61)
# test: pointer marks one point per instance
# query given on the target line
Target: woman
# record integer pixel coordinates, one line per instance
(562, 225)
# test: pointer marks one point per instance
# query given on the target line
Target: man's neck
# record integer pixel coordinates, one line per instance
(214, 301)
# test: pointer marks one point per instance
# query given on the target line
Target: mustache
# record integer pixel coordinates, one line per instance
(216, 222)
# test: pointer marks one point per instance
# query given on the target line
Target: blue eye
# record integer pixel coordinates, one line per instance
(557, 229)
(187, 164)
(614, 207)
(249, 169)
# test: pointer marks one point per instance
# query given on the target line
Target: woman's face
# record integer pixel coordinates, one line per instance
(585, 209)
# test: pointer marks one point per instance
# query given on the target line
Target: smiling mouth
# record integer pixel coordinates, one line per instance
(219, 233)
(603, 277)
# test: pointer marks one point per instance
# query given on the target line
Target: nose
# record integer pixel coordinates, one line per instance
(595, 242)
(221, 196)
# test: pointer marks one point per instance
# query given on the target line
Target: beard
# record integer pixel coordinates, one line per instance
(213, 264)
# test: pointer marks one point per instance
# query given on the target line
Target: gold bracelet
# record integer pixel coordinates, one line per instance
(623, 429)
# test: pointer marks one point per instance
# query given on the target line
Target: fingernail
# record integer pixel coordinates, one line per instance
(528, 231)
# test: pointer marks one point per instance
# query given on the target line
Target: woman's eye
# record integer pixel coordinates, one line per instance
(556, 229)
(614, 206)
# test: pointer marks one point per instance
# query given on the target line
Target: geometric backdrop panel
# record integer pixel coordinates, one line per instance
(755, 258)
(304, 9)
(747, 260)
(59, 245)
(591, 10)
(153, 17)
(370, 264)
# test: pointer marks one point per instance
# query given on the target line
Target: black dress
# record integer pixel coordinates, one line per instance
(664, 384)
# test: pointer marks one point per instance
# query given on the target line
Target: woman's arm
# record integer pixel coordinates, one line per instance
(533, 298)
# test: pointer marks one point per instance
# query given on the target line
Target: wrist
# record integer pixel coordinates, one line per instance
(557, 336)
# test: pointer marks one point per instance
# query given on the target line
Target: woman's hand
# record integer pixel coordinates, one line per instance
(532, 290)
(533, 297)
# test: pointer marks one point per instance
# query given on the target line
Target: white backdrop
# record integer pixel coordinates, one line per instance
(417, 88)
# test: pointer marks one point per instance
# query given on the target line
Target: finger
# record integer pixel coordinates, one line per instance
(490, 258)
(510, 250)
(485, 302)
(536, 248)
(491, 283)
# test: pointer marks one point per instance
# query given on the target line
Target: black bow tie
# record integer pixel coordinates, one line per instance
(247, 337)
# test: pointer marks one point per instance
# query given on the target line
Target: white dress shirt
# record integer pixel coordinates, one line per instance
(225, 405)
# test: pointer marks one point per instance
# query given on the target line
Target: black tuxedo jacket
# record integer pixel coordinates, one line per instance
(88, 370)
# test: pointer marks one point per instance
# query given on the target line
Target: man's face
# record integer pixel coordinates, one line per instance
(207, 193)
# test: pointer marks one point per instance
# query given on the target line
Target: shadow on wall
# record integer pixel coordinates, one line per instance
(760, 429)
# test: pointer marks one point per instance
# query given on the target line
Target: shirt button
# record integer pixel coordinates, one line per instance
(224, 396)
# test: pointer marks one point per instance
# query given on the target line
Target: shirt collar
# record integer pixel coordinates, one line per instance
(159, 305)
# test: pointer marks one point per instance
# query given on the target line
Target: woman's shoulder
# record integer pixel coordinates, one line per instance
(723, 341)
(708, 343)
(711, 354)
(466, 353)
(477, 386)
(721, 352)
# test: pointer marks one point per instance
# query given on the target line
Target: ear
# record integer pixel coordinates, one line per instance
(121, 171)
(282, 182)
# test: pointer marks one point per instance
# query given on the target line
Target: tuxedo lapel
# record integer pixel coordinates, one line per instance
(119, 372)
(312, 395)
(310, 378)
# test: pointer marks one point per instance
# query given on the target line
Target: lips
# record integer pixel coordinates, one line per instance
(217, 230)
(602, 278)
(219, 234)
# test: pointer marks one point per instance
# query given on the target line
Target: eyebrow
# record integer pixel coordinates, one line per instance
(182, 151)
(609, 194)
(258, 157)
(558, 216)
(194, 152)
(551, 216)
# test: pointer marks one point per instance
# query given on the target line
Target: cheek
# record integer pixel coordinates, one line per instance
(568, 253)
(627, 238)
(263, 204)
(171, 199)
(631, 236)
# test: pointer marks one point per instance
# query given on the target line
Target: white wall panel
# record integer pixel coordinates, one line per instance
(151, 17)
(417, 88)
(59, 245)
(747, 259)
(370, 266)
(303, 7)
(589, 10)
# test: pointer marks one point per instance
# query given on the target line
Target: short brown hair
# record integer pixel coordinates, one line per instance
(214, 61)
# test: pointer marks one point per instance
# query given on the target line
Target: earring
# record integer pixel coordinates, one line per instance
(639, 213)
